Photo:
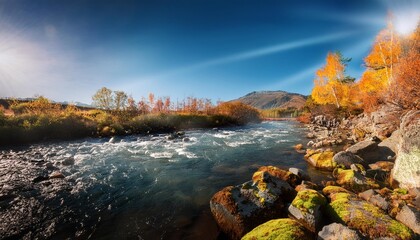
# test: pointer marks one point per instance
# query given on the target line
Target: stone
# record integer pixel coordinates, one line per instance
(347, 158)
(322, 160)
(113, 140)
(382, 165)
(354, 180)
(298, 146)
(367, 150)
(288, 176)
(306, 185)
(378, 175)
(410, 216)
(56, 174)
(369, 220)
(284, 228)
(68, 161)
(239, 209)
(374, 198)
(300, 173)
(310, 136)
(406, 171)
(306, 208)
(310, 143)
(337, 231)
(389, 146)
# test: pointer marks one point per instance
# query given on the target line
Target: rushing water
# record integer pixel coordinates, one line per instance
(149, 187)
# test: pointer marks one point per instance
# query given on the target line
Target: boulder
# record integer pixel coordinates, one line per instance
(389, 146)
(363, 216)
(354, 180)
(284, 228)
(407, 165)
(337, 231)
(322, 160)
(347, 158)
(238, 209)
(367, 150)
(300, 173)
(306, 208)
(410, 216)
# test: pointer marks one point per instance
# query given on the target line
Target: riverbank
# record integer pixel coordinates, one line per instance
(373, 192)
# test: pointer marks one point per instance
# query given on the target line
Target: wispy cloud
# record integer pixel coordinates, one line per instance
(255, 53)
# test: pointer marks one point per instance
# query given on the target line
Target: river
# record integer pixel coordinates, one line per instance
(140, 187)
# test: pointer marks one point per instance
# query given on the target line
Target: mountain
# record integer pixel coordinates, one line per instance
(273, 99)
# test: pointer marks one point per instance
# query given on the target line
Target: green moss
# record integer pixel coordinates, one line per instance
(285, 229)
(344, 176)
(308, 199)
(400, 191)
(324, 160)
(366, 217)
(333, 189)
(400, 230)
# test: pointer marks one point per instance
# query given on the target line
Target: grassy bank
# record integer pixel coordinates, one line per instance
(44, 121)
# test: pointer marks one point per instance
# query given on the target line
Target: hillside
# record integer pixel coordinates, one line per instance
(273, 99)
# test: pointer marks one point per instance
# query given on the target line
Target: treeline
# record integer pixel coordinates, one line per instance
(116, 114)
(392, 76)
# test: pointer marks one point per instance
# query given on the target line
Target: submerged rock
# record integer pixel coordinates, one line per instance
(363, 216)
(337, 231)
(284, 228)
(238, 209)
(306, 208)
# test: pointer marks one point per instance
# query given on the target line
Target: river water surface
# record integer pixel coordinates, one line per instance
(141, 187)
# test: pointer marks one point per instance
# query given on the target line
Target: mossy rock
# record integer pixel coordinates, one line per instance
(281, 229)
(365, 217)
(307, 200)
(333, 189)
(281, 174)
(354, 180)
(323, 160)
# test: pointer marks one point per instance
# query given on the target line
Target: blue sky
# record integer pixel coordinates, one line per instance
(66, 50)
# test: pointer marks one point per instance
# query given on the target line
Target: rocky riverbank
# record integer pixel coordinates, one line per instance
(374, 160)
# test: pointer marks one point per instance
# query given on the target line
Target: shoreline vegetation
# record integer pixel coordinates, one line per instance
(41, 120)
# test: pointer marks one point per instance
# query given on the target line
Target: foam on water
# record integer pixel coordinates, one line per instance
(151, 182)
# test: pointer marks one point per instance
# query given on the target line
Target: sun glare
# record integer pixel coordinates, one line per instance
(406, 21)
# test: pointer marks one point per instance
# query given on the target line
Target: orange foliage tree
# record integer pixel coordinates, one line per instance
(380, 63)
(332, 86)
(405, 90)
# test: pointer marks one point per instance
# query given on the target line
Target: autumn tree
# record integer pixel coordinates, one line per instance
(332, 85)
(120, 100)
(375, 82)
(103, 98)
(405, 89)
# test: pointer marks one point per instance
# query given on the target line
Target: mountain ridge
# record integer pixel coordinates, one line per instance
(268, 99)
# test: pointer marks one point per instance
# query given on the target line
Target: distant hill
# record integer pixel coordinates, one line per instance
(273, 99)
